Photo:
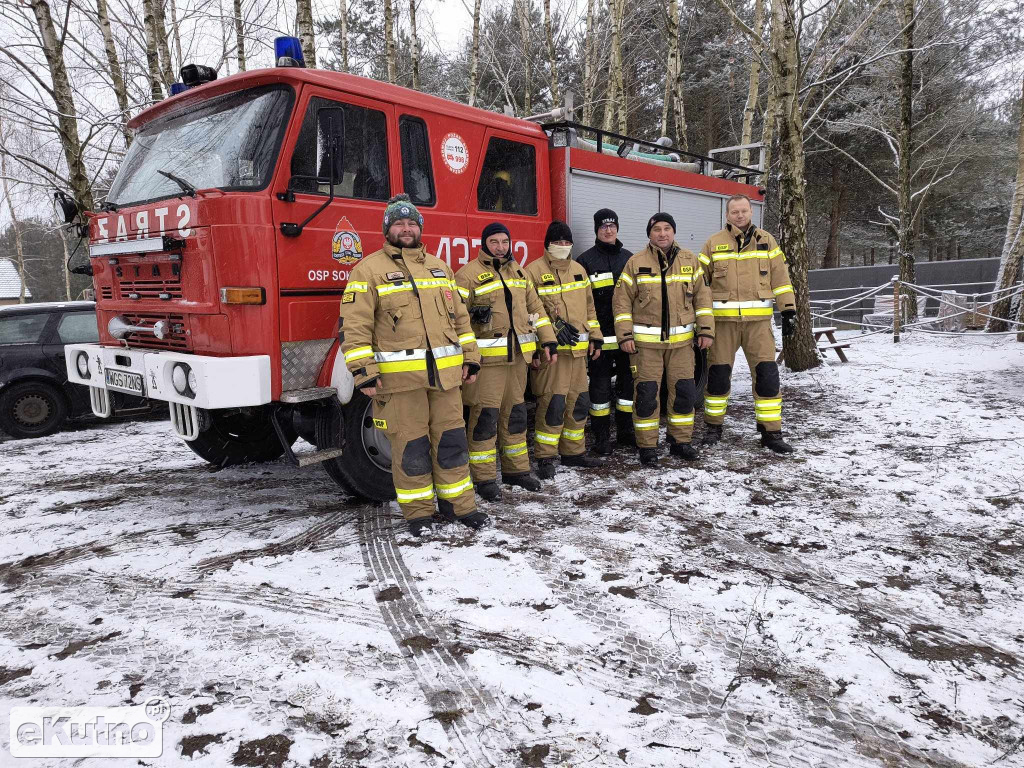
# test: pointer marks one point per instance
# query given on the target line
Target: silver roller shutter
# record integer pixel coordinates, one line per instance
(698, 216)
(634, 202)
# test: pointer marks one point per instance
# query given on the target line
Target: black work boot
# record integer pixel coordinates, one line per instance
(546, 468)
(446, 511)
(420, 525)
(773, 441)
(525, 480)
(601, 427)
(582, 460)
(684, 451)
(712, 435)
(649, 457)
(489, 490)
(624, 430)
(475, 520)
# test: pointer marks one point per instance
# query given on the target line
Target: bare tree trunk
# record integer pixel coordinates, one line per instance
(304, 28)
(67, 275)
(769, 125)
(831, 260)
(415, 44)
(588, 66)
(343, 21)
(620, 83)
(753, 88)
(801, 351)
(678, 107)
(389, 41)
(556, 97)
(1013, 245)
(174, 30)
(224, 35)
(166, 67)
(671, 31)
(474, 55)
(906, 225)
(64, 100)
(152, 59)
(239, 36)
(19, 251)
(613, 112)
(523, 8)
(116, 75)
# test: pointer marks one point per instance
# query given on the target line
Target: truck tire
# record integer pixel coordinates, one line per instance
(32, 409)
(365, 468)
(238, 436)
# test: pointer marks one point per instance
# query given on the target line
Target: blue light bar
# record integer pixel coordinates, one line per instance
(177, 88)
(288, 52)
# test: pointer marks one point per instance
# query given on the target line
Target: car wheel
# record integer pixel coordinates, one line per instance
(32, 409)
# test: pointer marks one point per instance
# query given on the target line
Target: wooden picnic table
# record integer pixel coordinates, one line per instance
(829, 332)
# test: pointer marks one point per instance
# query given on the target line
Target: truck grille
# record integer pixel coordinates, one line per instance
(106, 292)
(143, 288)
(176, 339)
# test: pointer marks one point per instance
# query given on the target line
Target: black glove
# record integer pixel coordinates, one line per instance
(474, 369)
(598, 343)
(481, 315)
(566, 333)
(788, 323)
(552, 347)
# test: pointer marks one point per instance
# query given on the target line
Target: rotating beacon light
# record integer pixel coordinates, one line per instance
(288, 52)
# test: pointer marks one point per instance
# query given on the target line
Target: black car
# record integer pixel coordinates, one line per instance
(35, 396)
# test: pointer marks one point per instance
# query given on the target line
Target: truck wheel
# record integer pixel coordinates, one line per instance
(238, 436)
(32, 409)
(365, 468)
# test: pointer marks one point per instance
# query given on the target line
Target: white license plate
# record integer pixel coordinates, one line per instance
(125, 381)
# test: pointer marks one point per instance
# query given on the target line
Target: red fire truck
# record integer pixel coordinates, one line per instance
(221, 252)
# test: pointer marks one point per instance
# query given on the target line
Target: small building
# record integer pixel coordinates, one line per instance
(10, 284)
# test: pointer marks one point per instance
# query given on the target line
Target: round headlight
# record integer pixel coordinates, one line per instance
(193, 381)
(82, 363)
(179, 377)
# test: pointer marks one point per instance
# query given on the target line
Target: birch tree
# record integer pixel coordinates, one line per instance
(304, 28)
(414, 45)
(389, 41)
(5, 181)
(239, 35)
(1013, 246)
(343, 33)
(588, 66)
(552, 59)
(152, 58)
(114, 67)
(474, 55)
(905, 158)
(754, 81)
(523, 8)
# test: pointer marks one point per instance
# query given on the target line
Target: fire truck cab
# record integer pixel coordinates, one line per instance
(225, 242)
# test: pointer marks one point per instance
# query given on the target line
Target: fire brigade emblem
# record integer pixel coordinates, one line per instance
(346, 247)
(454, 153)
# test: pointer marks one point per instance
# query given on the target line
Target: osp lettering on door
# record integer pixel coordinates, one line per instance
(158, 220)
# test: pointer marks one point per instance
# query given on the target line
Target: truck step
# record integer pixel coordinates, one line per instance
(307, 395)
(315, 457)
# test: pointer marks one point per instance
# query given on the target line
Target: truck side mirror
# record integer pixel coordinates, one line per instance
(330, 157)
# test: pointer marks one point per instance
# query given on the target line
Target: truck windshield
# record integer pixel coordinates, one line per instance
(229, 142)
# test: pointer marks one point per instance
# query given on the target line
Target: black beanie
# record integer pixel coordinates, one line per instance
(605, 216)
(492, 229)
(666, 217)
(557, 230)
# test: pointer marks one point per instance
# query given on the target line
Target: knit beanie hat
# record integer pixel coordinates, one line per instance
(401, 207)
(557, 230)
(493, 228)
(605, 216)
(666, 217)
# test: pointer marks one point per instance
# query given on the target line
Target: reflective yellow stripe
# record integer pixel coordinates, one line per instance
(752, 312)
(626, 277)
(467, 338)
(358, 353)
(403, 366)
(449, 361)
(451, 490)
(742, 256)
(405, 495)
(501, 351)
(700, 273)
(715, 400)
(437, 282)
(463, 292)
(516, 284)
(541, 322)
(517, 449)
(703, 259)
(605, 282)
(623, 318)
(783, 289)
(576, 346)
(528, 348)
(388, 288)
(548, 438)
(600, 409)
(490, 288)
(626, 406)
(680, 419)
(356, 286)
(593, 323)
(546, 290)
(776, 403)
(776, 252)
(653, 424)
(482, 457)
(769, 416)
(572, 434)
(703, 312)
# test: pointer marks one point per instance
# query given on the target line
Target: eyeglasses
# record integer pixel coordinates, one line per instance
(609, 226)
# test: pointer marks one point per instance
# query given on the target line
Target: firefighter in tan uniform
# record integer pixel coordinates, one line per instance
(561, 386)
(746, 270)
(661, 302)
(501, 299)
(407, 340)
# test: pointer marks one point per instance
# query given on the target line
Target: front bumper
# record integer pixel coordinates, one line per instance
(221, 382)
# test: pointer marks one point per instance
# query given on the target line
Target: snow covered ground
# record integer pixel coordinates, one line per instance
(857, 604)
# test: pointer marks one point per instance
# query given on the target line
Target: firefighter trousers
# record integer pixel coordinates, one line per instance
(676, 365)
(496, 420)
(562, 405)
(608, 397)
(758, 344)
(429, 455)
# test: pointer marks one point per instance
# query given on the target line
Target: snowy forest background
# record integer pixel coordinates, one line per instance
(698, 71)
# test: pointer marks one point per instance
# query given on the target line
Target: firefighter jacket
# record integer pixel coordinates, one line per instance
(662, 301)
(502, 286)
(564, 289)
(746, 272)
(403, 321)
(604, 263)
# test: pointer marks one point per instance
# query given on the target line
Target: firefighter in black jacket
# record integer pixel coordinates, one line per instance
(604, 263)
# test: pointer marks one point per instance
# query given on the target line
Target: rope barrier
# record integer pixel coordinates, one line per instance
(941, 300)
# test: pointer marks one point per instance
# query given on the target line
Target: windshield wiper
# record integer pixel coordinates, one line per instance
(187, 188)
(106, 206)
